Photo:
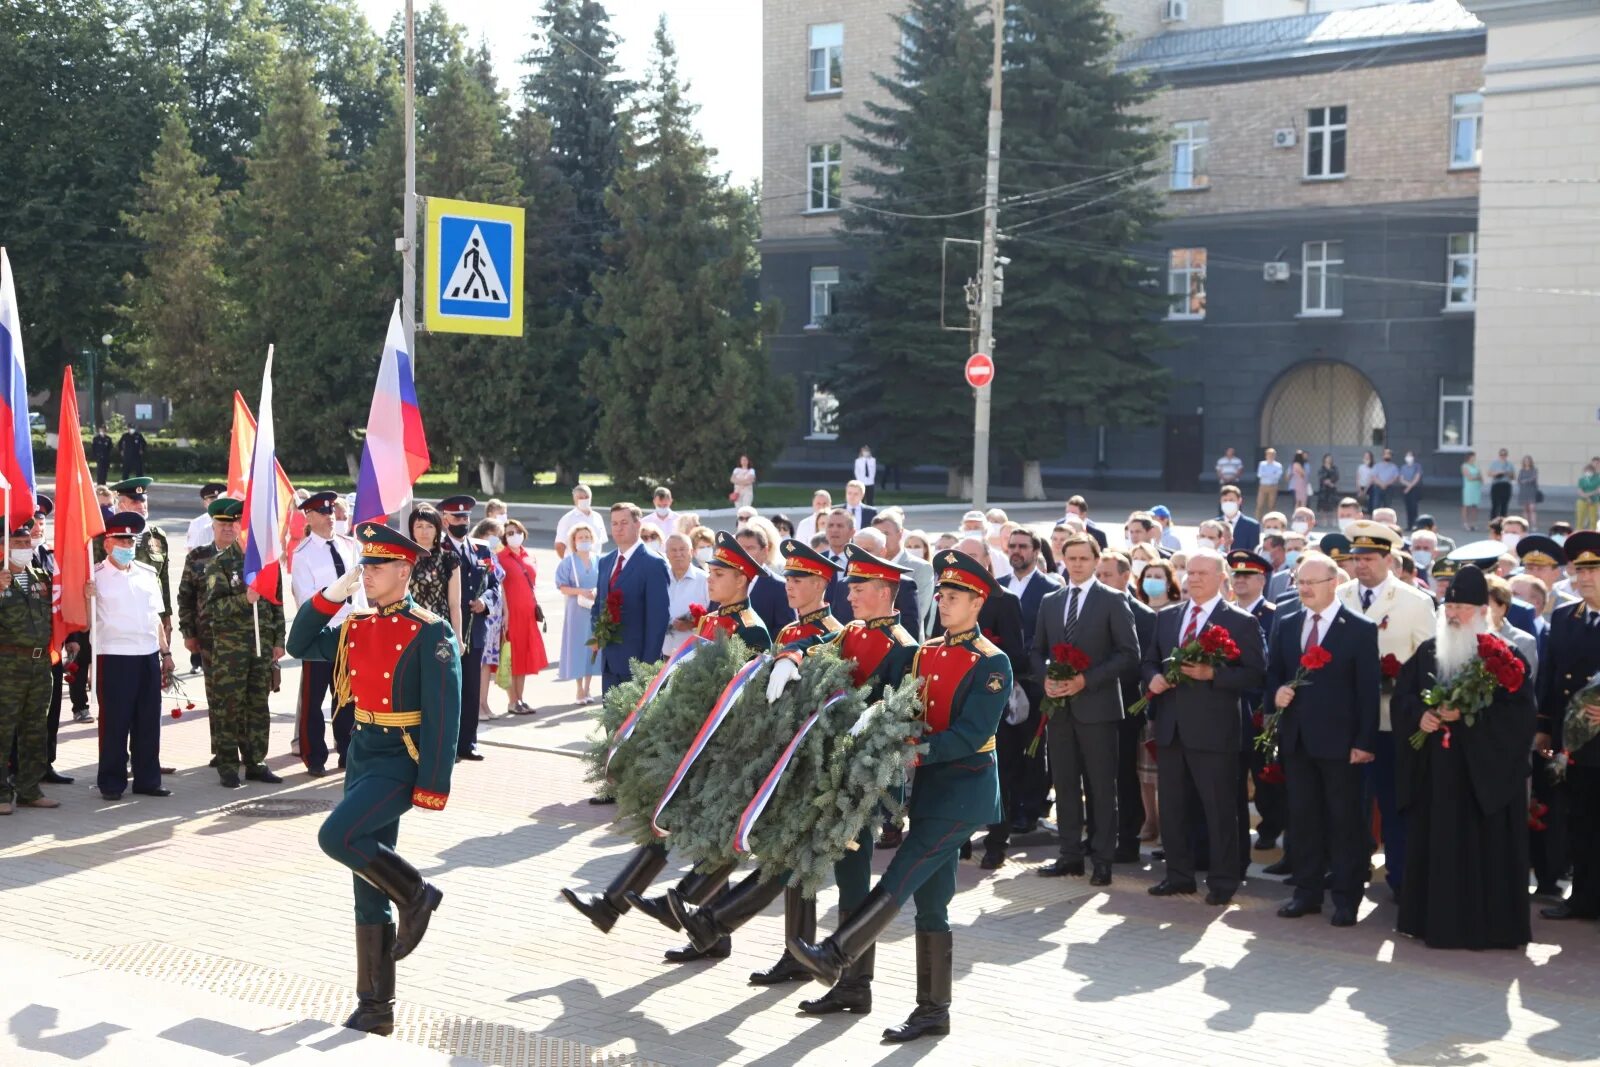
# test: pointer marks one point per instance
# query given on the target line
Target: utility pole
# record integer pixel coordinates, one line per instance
(408, 243)
(991, 213)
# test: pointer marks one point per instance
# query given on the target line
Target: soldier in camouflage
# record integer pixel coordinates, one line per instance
(25, 634)
(238, 680)
(193, 619)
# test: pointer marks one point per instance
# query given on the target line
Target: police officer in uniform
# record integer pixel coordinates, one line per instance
(25, 634)
(477, 578)
(730, 572)
(238, 679)
(132, 662)
(398, 663)
(320, 560)
(966, 683)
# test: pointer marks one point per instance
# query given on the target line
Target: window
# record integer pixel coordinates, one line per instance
(1461, 286)
(1190, 156)
(823, 176)
(823, 280)
(825, 60)
(1323, 290)
(1325, 142)
(1466, 130)
(1455, 415)
(1186, 283)
(824, 414)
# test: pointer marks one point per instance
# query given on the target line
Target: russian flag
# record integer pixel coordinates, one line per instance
(262, 532)
(16, 440)
(396, 451)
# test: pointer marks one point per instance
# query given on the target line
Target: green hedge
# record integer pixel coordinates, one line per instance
(166, 457)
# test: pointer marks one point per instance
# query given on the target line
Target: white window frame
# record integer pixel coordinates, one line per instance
(1191, 152)
(829, 160)
(822, 287)
(823, 417)
(1453, 257)
(825, 59)
(1320, 261)
(1320, 131)
(1464, 401)
(1466, 115)
(1186, 284)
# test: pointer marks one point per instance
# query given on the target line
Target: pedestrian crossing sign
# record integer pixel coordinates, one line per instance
(472, 269)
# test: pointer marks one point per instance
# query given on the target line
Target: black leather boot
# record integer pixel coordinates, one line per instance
(934, 978)
(827, 961)
(731, 910)
(414, 899)
(374, 1012)
(799, 921)
(696, 889)
(604, 909)
(853, 994)
(693, 887)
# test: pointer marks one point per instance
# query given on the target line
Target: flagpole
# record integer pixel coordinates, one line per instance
(255, 618)
(408, 256)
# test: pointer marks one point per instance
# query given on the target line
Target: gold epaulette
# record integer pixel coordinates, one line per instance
(831, 624)
(985, 647)
(422, 614)
(749, 618)
(902, 636)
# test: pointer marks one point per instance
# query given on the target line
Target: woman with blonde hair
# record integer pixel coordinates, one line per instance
(577, 577)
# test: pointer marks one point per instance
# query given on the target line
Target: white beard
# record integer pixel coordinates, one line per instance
(1456, 646)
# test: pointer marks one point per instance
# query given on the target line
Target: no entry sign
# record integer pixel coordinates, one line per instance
(980, 370)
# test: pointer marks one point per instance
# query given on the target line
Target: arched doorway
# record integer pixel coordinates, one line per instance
(1323, 406)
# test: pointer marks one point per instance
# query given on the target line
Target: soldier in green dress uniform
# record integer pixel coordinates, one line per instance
(25, 680)
(239, 679)
(966, 682)
(401, 666)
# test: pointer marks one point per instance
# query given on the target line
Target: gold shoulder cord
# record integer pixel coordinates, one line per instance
(341, 667)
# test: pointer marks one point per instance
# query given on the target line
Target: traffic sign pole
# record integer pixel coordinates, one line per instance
(991, 213)
(408, 254)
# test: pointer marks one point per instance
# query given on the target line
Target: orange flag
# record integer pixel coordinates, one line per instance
(241, 447)
(77, 517)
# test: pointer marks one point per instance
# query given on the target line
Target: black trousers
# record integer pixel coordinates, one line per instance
(1583, 838)
(1548, 847)
(101, 467)
(1084, 753)
(867, 498)
(1130, 799)
(53, 724)
(1413, 505)
(1272, 800)
(471, 686)
(316, 680)
(1326, 823)
(1215, 778)
(1010, 753)
(1499, 498)
(130, 722)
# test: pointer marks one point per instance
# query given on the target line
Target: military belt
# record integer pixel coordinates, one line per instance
(388, 718)
(24, 652)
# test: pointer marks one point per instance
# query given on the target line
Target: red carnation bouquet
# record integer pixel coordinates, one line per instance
(696, 613)
(607, 627)
(1390, 666)
(1472, 688)
(1066, 662)
(1213, 647)
(1313, 660)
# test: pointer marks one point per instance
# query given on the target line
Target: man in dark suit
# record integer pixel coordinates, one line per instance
(905, 596)
(1328, 730)
(1024, 782)
(1078, 507)
(861, 513)
(1083, 734)
(477, 578)
(768, 596)
(1250, 572)
(642, 576)
(1244, 531)
(1116, 572)
(1197, 728)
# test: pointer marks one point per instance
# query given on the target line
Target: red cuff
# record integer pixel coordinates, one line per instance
(794, 656)
(324, 605)
(423, 798)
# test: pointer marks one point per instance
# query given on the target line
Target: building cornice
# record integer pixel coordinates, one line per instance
(1512, 12)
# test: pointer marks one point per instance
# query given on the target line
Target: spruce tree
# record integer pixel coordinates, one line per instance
(178, 310)
(301, 277)
(1078, 322)
(920, 178)
(683, 376)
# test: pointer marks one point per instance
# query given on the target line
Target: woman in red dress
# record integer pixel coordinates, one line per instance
(521, 613)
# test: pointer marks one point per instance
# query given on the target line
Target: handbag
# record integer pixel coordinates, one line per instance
(734, 495)
(1538, 495)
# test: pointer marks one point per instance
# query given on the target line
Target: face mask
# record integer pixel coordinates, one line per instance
(1230, 508)
(495, 542)
(123, 556)
(582, 546)
(663, 512)
(1204, 542)
(583, 506)
(1511, 542)
(1139, 565)
(514, 540)
(1410, 458)
(458, 531)
(1291, 557)
(1423, 557)
(994, 529)
(1300, 527)
(1154, 586)
(1182, 578)
(703, 554)
(341, 526)
(1345, 524)
(23, 557)
(1559, 539)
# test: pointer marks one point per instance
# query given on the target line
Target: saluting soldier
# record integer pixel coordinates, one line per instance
(25, 634)
(966, 682)
(881, 650)
(321, 559)
(239, 679)
(730, 572)
(399, 664)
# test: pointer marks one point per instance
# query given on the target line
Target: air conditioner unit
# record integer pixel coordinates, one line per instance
(1175, 11)
(1284, 138)
(1275, 272)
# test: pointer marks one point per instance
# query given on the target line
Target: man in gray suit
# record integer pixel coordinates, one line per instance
(1095, 619)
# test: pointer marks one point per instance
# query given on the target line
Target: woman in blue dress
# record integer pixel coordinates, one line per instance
(576, 577)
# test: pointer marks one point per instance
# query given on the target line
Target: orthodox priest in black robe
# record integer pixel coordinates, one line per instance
(1464, 791)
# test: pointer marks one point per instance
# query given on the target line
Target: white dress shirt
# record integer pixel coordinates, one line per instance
(1324, 620)
(1206, 610)
(1083, 595)
(127, 606)
(575, 516)
(681, 592)
(313, 570)
(200, 532)
(866, 469)
(667, 524)
(1019, 585)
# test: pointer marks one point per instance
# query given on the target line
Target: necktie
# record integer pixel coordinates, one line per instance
(1194, 625)
(616, 572)
(338, 560)
(1312, 640)
(1072, 616)
(1366, 599)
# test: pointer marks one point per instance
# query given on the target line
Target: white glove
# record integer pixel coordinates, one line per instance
(344, 587)
(784, 672)
(1017, 706)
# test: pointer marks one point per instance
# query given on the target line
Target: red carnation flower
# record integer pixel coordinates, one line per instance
(614, 605)
(177, 713)
(1390, 664)
(1271, 774)
(1316, 658)
(697, 612)
(1259, 719)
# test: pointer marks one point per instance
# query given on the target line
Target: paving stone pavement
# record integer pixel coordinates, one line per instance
(192, 899)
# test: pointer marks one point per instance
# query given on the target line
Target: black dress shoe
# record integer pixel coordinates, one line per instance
(154, 792)
(1551, 890)
(966, 850)
(1280, 868)
(316, 772)
(1021, 825)
(1126, 854)
(602, 800)
(1218, 899)
(1101, 875)
(1158, 854)
(993, 859)
(1296, 908)
(1168, 888)
(52, 778)
(1060, 868)
(110, 796)
(688, 953)
(168, 770)
(230, 778)
(475, 757)
(1266, 844)
(1343, 917)
(260, 773)
(1565, 910)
